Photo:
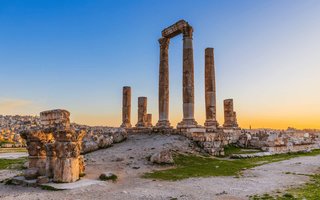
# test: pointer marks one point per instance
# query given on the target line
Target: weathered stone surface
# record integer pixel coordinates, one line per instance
(54, 148)
(56, 119)
(149, 120)
(89, 146)
(188, 80)
(230, 118)
(66, 170)
(51, 158)
(142, 112)
(126, 107)
(164, 84)
(280, 141)
(42, 180)
(163, 157)
(119, 135)
(21, 180)
(210, 89)
(102, 137)
(31, 173)
(68, 146)
(174, 29)
(36, 140)
(181, 27)
(82, 165)
(103, 141)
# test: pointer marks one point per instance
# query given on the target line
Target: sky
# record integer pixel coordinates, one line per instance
(78, 54)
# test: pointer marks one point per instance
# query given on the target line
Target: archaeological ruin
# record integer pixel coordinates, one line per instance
(56, 147)
(212, 137)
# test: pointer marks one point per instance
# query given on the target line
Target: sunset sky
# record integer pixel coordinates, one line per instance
(78, 54)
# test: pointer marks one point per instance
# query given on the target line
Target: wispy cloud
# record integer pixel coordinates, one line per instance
(10, 106)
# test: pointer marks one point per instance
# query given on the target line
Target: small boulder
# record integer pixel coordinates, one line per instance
(26, 165)
(108, 176)
(31, 173)
(120, 135)
(163, 157)
(42, 180)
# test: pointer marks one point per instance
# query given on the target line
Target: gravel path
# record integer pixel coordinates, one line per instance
(127, 160)
(13, 155)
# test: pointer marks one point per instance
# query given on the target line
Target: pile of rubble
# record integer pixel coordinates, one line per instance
(55, 148)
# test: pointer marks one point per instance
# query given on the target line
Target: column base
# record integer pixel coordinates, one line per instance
(234, 126)
(187, 123)
(212, 124)
(163, 124)
(126, 125)
(141, 125)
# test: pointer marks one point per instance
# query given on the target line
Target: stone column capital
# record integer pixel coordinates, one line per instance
(187, 32)
(164, 42)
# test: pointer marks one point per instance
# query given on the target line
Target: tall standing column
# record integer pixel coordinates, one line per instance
(210, 89)
(164, 84)
(188, 80)
(126, 107)
(142, 112)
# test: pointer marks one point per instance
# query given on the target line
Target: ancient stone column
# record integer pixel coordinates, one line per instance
(142, 112)
(210, 89)
(126, 107)
(36, 140)
(68, 163)
(149, 120)
(235, 120)
(65, 155)
(51, 159)
(229, 114)
(164, 84)
(188, 80)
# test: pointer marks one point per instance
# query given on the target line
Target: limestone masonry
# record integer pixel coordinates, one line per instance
(55, 146)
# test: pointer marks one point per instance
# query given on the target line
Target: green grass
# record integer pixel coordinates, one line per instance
(309, 191)
(231, 149)
(17, 163)
(5, 142)
(50, 188)
(187, 166)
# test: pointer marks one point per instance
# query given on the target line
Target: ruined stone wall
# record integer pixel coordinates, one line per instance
(279, 141)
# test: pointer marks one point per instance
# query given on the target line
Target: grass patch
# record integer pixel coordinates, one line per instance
(49, 188)
(231, 149)
(309, 191)
(187, 166)
(8, 163)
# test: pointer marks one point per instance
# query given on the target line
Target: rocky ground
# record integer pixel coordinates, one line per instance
(128, 161)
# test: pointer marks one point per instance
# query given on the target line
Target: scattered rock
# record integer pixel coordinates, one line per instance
(42, 180)
(26, 165)
(221, 193)
(31, 173)
(119, 159)
(108, 176)
(163, 157)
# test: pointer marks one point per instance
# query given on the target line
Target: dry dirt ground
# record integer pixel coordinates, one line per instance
(128, 161)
